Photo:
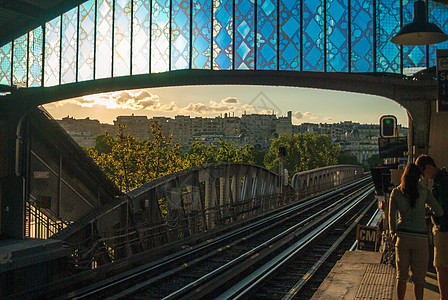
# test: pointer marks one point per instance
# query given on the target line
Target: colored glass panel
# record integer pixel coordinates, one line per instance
(180, 35)
(140, 36)
(244, 34)
(160, 36)
(122, 38)
(414, 57)
(69, 45)
(362, 36)
(86, 41)
(337, 36)
(103, 57)
(35, 57)
(388, 24)
(19, 67)
(5, 64)
(267, 35)
(201, 53)
(438, 14)
(313, 35)
(52, 52)
(289, 35)
(223, 34)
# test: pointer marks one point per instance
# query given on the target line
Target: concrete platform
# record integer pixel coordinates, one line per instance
(360, 275)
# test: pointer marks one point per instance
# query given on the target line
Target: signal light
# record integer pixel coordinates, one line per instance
(388, 124)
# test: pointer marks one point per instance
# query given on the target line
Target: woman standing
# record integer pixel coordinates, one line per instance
(407, 223)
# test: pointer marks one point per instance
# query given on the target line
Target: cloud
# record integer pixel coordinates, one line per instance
(313, 118)
(212, 107)
(328, 119)
(247, 107)
(297, 115)
(306, 114)
(266, 112)
(230, 100)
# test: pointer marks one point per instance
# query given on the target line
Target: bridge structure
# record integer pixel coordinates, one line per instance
(86, 47)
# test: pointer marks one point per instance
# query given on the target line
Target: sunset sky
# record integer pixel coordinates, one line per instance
(307, 105)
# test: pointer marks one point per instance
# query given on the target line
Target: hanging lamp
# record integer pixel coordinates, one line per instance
(419, 31)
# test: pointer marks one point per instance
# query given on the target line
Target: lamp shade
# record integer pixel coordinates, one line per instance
(420, 31)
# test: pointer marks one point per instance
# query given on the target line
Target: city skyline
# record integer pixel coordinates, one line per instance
(307, 105)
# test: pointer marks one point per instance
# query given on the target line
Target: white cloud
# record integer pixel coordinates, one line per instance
(297, 115)
(328, 119)
(313, 118)
(212, 107)
(306, 114)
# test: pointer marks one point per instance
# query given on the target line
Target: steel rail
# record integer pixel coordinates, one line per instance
(180, 256)
(209, 282)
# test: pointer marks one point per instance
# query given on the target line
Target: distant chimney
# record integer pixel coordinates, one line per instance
(225, 115)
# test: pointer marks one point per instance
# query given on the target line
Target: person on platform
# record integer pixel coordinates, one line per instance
(408, 228)
(429, 170)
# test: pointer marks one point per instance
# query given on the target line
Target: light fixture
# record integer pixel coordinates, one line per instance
(419, 31)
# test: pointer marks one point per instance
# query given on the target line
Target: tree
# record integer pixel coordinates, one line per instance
(347, 159)
(130, 162)
(304, 151)
(200, 154)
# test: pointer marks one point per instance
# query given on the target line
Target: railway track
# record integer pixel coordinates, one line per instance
(250, 261)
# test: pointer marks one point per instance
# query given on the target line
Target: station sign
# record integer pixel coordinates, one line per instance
(442, 80)
(367, 237)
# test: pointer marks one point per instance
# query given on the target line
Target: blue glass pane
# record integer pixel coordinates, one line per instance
(313, 36)
(222, 34)
(337, 36)
(122, 38)
(19, 67)
(35, 57)
(103, 58)
(160, 36)
(267, 35)
(388, 24)
(86, 40)
(52, 52)
(202, 34)
(140, 36)
(180, 35)
(362, 36)
(69, 39)
(5, 64)
(414, 57)
(438, 14)
(289, 35)
(244, 34)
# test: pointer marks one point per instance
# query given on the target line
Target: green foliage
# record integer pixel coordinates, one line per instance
(347, 159)
(131, 163)
(200, 154)
(304, 151)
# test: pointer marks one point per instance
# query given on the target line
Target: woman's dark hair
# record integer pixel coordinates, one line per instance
(409, 183)
(424, 160)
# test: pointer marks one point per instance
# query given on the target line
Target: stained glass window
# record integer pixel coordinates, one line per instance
(362, 36)
(223, 34)
(160, 36)
(180, 35)
(5, 64)
(201, 52)
(140, 36)
(337, 36)
(267, 35)
(414, 57)
(388, 24)
(244, 34)
(290, 26)
(52, 52)
(122, 38)
(69, 45)
(313, 36)
(19, 69)
(35, 57)
(438, 14)
(103, 57)
(86, 40)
